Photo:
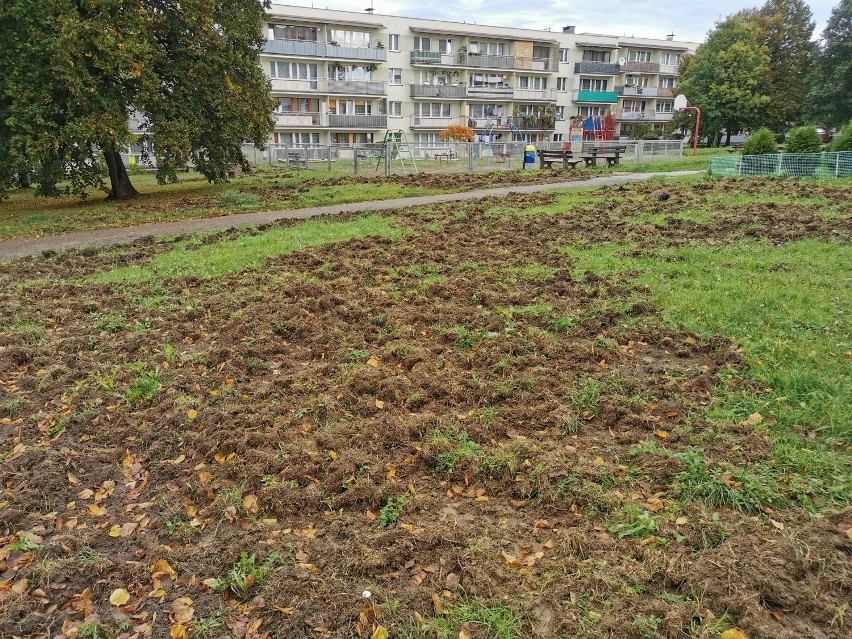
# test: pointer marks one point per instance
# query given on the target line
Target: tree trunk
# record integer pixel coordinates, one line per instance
(728, 138)
(119, 181)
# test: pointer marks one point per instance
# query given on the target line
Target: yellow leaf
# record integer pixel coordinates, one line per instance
(662, 434)
(373, 362)
(220, 457)
(333, 455)
(177, 632)
(380, 633)
(96, 510)
(204, 477)
(250, 503)
(182, 610)
(380, 404)
(680, 521)
(191, 413)
(734, 633)
(115, 531)
(309, 567)
(161, 568)
(119, 597)
(511, 560)
(599, 461)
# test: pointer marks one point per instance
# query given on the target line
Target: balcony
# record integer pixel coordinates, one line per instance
(544, 95)
(299, 120)
(648, 92)
(280, 85)
(424, 122)
(437, 91)
(531, 123)
(646, 116)
(356, 87)
(358, 121)
(605, 97)
(670, 69)
(482, 61)
(597, 68)
(640, 67)
(305, 49)
(490, 93)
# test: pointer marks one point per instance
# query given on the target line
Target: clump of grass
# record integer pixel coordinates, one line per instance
(392, 510)
(586, 395)
(638, 524)
(246, 574)
(144, 386)
(239, 200)
(494, 622)
(461, 447)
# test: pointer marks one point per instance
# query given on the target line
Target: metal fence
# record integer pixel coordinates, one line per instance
(444, 157)
(799, 165)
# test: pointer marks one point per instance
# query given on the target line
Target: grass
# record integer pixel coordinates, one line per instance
(494, 622)
(246, 574)
(237, 255)
(786, 307)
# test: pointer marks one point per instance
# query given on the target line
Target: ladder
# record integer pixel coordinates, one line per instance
(400, 148)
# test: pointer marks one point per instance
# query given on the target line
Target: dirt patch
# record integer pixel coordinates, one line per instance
(445, 420)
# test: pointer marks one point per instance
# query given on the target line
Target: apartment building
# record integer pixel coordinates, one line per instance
(345, 78)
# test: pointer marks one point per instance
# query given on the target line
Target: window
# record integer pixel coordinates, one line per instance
(557, 137)
(560, 113)
(351, 138)
(296, 138)
(638, 56)
(487, 48)
(593, 84)
(668, 83)
(359, 73)
(294, 71)
(428, 138)
(562, 84)
(491, 80)
(445, 46)
(665, 107)
(595, 56)
(563, 55)
(592, 110)
(633, 106)
(422, 44)
(292, 32)
(345, 38)
(640, 81)
(393, 42)
(395, 109)
(541, 52)
(671, 59)
(486, 110)
(535, 83)
(432, 109)
(297, 105)
(394, 76)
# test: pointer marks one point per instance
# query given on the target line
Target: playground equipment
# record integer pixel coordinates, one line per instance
(592, 128)
(490, 134)
(396, 141)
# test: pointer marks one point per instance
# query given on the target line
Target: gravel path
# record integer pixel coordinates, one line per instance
(24, 247)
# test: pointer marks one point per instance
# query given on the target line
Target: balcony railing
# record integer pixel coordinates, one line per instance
(425, 122)
(607, 97)
(358, 121)
(437, 91)
(302, 48)
(641, 67)
(669, 69)
(357, 87)
(597, 68)
(647, 116)
(299, 120)
(532, 124)
(482, 61)
(490, 93)
(548, 95)
(280, 85)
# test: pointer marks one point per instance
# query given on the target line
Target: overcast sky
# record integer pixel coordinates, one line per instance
(641, 18)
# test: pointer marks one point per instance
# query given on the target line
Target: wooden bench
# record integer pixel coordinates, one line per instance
(547, 158)
(297, 158)
(442, 154)
(612, 155)
(735, 146)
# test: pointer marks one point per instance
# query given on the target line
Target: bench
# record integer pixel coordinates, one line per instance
(612, 155)
(297, 158)
(547, 158)
(441, 154)
(735, 146)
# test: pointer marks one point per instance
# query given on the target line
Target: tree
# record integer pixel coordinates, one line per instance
(760, 143)
(843, 140)
(457, 132)
(72, 73)
(831, 79)
(725, 76)
(803, 139)
(785, 28)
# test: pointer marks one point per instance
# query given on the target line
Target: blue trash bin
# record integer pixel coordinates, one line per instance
(529, 155)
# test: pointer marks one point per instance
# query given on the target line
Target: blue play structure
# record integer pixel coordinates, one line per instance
(489, 135)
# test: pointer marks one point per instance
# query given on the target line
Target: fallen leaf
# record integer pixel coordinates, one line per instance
(191, 413)
(380, 404)
(380, 633)
(250, 503)
(373, 362)
(182, 610)
(178, 632)
(96, 510)
(115, 531)
(752, 420)
(680, 521)
(438, 605)
(119, 597)
(777, 524)
(733, 633)
(511, 560)
(161, 568)
(662, 434)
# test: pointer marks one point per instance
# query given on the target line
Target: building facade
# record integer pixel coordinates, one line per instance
(345, 78)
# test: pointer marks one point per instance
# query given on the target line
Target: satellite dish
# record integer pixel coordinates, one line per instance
(680, 102)
(621, 60)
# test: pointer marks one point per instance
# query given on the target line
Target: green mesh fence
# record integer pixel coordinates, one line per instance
(799, 165)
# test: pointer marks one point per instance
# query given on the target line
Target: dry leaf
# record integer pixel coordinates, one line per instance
(380, 633)
(511, 560)
(777, 524)
(373, 362)
(380, 404)
(680, 521)
(733, 633)
(182, 610)
(115, 531)
(191, 413)
(250, 503)
(438, 605)
(96, 510)
(162, 569)
(119, 597)
(178, 632)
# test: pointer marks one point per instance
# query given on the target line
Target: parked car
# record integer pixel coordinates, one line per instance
(827, 136)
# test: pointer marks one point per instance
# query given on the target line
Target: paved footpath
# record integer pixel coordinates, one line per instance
(10, 249)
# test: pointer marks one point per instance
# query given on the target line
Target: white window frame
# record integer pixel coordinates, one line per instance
(394, 76)
(562, 85)
(393, 42)
(395, 109)
(564, 55)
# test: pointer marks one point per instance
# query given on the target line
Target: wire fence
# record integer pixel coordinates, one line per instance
(449, 157)
(798, 165)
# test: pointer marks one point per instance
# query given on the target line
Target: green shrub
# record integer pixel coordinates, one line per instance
(803, 139)
(239, 200)
(761, 142)
(843, 140)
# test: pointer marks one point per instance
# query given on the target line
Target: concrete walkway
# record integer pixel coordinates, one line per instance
(10, 249)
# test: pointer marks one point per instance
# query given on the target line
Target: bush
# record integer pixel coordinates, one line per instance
(803, 139)
(843, 140)
(760, 143)
(457, 132)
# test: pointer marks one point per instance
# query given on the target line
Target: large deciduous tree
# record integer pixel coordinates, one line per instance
(785, 28)
(726, 76)
(74, 71)
(830, 98)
